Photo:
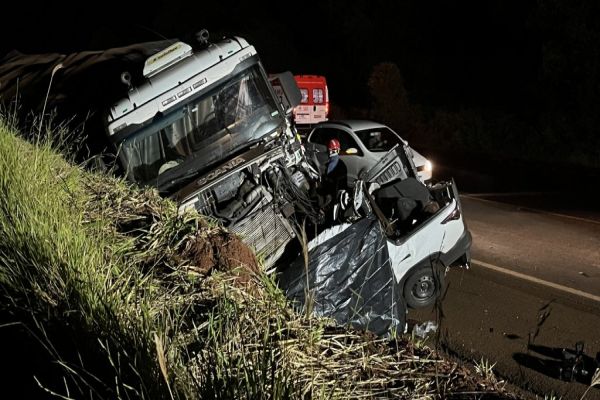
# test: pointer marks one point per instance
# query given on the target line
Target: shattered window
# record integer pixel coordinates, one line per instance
(202, 131)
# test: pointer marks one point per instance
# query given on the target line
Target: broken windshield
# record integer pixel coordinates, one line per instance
(201, 132)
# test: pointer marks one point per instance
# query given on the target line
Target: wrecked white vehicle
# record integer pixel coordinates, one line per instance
(375, 262)
(206, 130)
(424, 243)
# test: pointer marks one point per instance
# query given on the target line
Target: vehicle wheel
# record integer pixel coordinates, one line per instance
(423, 286)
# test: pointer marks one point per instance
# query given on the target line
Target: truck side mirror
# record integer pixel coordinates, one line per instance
(287, 89)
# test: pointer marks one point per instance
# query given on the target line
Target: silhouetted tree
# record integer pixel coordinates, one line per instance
(390, 103)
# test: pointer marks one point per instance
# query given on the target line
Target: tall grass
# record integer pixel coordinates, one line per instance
(100, 296)
(58, 271)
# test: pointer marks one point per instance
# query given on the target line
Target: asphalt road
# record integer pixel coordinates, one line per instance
(532, 290)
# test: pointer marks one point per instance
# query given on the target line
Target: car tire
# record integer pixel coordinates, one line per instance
(423, 286)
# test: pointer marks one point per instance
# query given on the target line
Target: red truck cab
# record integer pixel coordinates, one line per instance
(314, 105)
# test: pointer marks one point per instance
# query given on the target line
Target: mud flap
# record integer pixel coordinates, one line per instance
(349, 278)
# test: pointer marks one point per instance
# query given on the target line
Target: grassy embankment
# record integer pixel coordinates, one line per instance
(108, 293)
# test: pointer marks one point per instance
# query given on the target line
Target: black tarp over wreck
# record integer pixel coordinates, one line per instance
(349, 278)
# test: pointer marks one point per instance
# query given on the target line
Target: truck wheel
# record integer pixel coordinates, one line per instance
(423, 286)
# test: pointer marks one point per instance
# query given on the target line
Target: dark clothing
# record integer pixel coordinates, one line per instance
(331, 183)
(331, 164)
(336, 177)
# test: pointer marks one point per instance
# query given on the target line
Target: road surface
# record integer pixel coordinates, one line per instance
(533, 289)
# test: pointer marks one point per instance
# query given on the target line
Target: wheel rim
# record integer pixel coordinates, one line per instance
(424, 288)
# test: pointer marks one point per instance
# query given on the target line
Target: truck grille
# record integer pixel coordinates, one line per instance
(267, 232)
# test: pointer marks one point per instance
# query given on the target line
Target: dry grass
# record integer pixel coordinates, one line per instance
(99, 272)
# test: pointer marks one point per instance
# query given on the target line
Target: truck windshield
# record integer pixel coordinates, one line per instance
(202, 132)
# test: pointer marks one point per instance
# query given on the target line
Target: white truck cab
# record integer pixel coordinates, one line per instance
(206, 130)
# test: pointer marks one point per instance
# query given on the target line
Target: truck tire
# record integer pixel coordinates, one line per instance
(423, 286)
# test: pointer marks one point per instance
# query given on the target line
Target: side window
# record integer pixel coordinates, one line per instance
(317, 96)
(304, 93)
(346, 142)
(320, 136)
(324, 135)
(378, 139)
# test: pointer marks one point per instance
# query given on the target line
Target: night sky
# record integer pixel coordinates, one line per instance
(513, 73)
(449, 52)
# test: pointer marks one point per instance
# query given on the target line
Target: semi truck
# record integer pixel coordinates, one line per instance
(207, 130)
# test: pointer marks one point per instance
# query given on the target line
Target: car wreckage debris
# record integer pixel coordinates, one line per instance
(575, 365)
(424, 329)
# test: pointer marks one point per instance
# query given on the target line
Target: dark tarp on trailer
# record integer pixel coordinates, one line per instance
(82, 81)
(350, 279)
(79, 88)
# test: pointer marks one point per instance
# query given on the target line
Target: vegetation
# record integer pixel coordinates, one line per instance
(487, 133)
(107, 292)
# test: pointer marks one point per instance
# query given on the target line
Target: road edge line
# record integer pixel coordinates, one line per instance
(539, 281)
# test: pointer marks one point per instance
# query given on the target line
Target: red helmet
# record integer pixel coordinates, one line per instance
(333, 144)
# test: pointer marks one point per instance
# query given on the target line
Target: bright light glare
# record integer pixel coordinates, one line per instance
(428, 166)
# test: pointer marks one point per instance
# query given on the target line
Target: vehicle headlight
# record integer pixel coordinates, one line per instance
(428, 166)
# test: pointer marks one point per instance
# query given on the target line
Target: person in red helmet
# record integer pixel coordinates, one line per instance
(336, 174)
(334, 155)
(334, 178)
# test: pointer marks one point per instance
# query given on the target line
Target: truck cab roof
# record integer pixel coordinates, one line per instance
(179, 80)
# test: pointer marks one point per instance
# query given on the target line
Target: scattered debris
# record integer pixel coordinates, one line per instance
(543, 314)
(424, 329)
(570, 365)
(576, 365)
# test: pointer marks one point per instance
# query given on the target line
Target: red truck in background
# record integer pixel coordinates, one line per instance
(314, 105)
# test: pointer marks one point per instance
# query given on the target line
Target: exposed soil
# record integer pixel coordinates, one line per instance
(222, 251)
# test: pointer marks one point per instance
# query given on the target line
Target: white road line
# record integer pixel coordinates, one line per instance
(537, 280)
(468, 196)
